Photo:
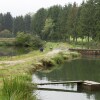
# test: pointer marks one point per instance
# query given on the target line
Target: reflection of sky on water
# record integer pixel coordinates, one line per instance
(48, 95)
(36, 79)
(55, 95)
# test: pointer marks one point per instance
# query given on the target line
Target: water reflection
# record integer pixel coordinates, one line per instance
(48, 95)
(80, 69)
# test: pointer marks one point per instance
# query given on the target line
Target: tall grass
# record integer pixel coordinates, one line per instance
(17, 89)
(58, 59)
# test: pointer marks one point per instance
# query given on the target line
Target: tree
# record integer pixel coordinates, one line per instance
(28, 40)
(63, 22)
(1, 22)
(96, 36)
(87, 20)
(80, 30)
(27, 21)
(55, 14)
(48, 29)
(19, 25)
(72, 21)
(8, 21)
(38, 21)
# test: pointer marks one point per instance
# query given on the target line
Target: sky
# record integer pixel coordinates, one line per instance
(23, 7)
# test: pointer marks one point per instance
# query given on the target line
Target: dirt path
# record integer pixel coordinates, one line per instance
(53, 52)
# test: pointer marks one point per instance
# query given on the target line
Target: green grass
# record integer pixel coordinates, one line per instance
(84, 44)
(58, 45)
(16, 65)
(17, 89)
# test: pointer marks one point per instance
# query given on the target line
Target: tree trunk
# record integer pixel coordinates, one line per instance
(82, 43)
(88, 40)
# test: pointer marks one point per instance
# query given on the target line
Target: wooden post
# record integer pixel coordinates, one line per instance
(79, 86)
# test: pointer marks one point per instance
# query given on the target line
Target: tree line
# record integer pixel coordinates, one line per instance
(57, 22)
(11, 25)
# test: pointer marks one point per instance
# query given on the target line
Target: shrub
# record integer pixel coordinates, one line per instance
(5, 34)
(28, 40)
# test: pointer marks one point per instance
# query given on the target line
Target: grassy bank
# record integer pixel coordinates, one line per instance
(55, 59)
(11, 68)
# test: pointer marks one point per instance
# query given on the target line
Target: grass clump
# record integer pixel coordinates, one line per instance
(75, 54)
(47, 62)
(17, 89)
(58, 59)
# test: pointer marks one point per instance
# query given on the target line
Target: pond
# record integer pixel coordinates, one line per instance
(13, 51)
(79, 69)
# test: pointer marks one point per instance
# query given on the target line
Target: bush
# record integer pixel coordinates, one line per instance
(28, 40)
(5, 34)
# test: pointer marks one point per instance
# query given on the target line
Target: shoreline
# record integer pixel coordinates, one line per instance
(26, 65)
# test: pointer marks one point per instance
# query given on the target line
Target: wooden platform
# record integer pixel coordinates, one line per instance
(81, 85)
(87, 51)
(63, 82)
(91, 85)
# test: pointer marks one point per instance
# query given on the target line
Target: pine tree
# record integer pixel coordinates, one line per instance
(8, 21)
(87, 20)
(97, 20)
(1, 22)
(38, 21)
(72, 21)
(27, 21)
(19, 25)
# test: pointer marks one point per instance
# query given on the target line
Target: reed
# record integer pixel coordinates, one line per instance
(17, 89)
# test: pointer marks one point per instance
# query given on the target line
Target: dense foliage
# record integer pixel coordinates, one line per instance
(28, 40)
(57, 22)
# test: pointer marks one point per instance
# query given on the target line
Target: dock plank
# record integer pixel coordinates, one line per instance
(64, 82)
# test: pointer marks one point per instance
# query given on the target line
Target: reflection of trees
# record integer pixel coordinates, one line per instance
(93, 95)
(75, 70)
(97, 96)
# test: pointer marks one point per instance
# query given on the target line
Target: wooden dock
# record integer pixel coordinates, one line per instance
(91, 86)
(87, 51)
(81, 85)
(64, 82)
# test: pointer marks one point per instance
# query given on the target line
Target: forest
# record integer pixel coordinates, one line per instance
(56, 23)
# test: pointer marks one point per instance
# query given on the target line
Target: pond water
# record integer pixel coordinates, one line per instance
(79, 69)
(12, 51)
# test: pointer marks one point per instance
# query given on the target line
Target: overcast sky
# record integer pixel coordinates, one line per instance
(22, 7)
